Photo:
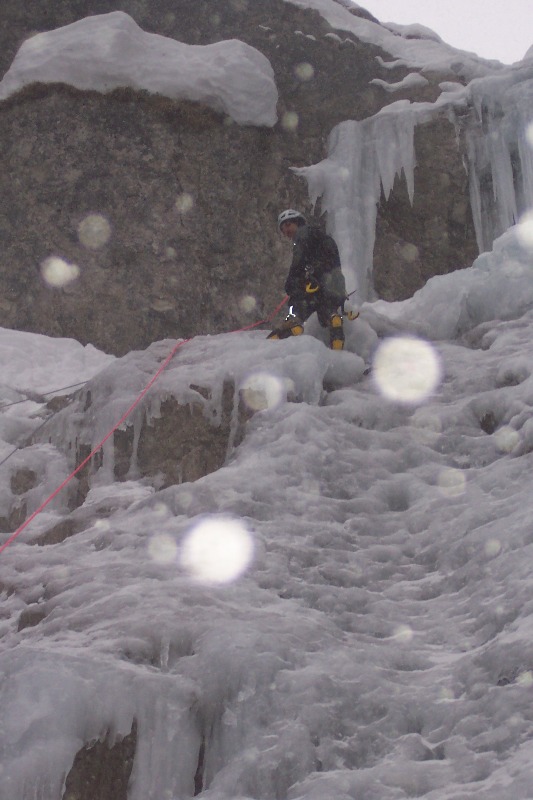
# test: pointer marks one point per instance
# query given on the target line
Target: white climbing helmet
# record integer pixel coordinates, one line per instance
(288, 215)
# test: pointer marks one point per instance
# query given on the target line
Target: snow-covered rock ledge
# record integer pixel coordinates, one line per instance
(109, 51)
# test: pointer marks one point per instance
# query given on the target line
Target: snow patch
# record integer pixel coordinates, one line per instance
(498, 285)
(411, 81)
(414, 31)
(428, 51)
(108, 51)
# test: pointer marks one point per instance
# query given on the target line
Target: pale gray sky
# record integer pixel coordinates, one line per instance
(501, 29)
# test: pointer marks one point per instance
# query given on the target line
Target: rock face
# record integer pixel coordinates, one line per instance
(436, 234)
(179, 446)
(190, 201)
(101, 771)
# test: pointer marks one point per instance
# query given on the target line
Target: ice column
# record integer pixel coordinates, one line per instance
(363, 160)
(500, 158)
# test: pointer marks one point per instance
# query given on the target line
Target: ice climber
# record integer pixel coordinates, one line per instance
(315, 281)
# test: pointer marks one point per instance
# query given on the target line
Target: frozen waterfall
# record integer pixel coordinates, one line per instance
(500, 155)
(364, 158)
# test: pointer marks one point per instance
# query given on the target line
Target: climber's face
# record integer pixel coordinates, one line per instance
(289, 229)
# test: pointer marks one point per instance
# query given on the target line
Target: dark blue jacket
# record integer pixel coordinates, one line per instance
(315, 257)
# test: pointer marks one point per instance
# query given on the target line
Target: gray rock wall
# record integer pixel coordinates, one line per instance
(188, 200)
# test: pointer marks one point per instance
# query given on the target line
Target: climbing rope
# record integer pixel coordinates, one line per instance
(37, 429)
(39, 398)
(45, 422)
(117, 425)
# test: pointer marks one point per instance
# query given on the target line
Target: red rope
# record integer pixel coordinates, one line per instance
(119, 423)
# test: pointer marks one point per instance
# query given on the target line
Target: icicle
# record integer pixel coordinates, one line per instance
(138, 423)
(235, 422)
(106, 474)
(364, 159)
(500, 158)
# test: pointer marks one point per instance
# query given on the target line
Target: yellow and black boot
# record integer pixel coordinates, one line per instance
(336, 332)
(292, 326)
